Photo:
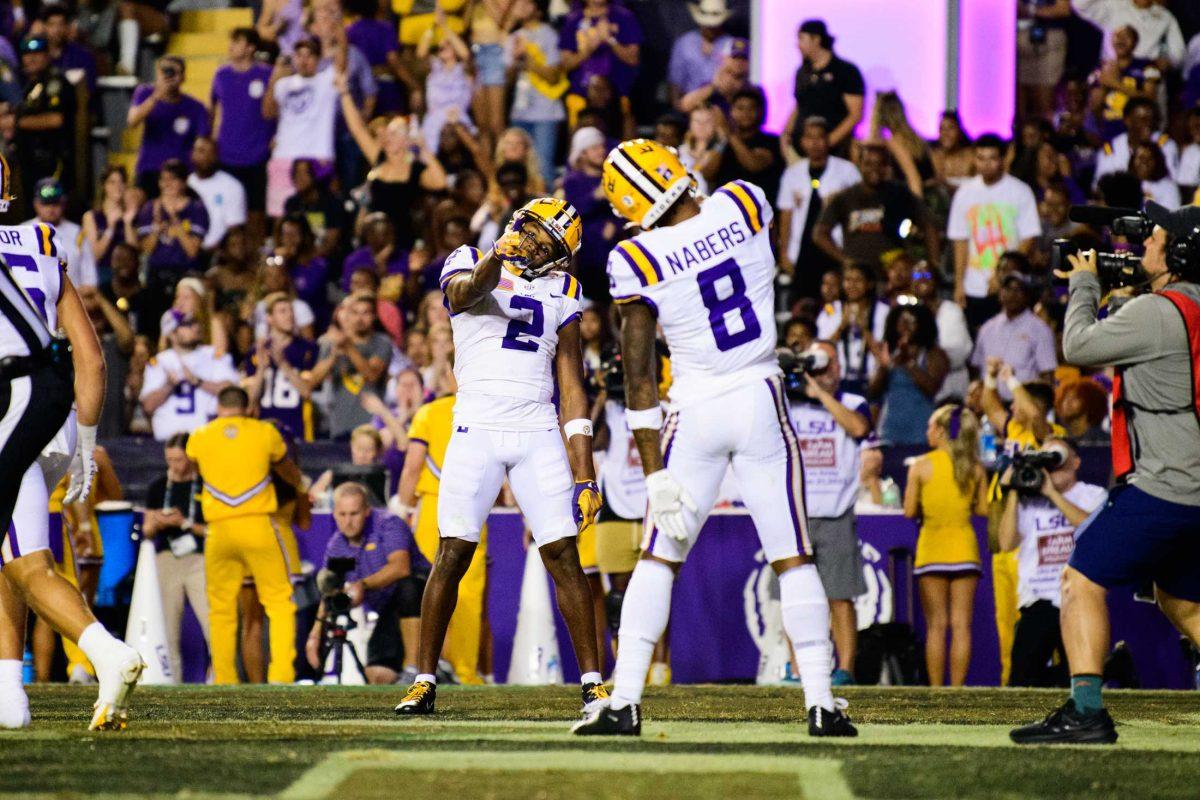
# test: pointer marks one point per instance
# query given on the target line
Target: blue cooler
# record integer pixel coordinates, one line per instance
(115, 523)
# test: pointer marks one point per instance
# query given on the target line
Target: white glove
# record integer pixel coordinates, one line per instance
(667, 500)
(83, 466)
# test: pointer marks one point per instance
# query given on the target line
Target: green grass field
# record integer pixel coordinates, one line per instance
(306, 743)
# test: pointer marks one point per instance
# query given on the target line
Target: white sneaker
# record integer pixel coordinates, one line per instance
(80, 676)
(14, 708)
(117, 678)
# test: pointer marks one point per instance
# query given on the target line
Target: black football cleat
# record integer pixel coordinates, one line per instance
(595, 695)
(606, 721)
(420, 699)
(823, 722)
(1066, 725)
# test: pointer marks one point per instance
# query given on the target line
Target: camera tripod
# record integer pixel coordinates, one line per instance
(335, 626)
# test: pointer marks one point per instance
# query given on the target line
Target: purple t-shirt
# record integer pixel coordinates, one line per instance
(281, 401)
(382, 536)
(362, 258)
(244, 136)
(602, 61)
(579, 189)
(170, 130)
(375, 38)
(309, 280)
(168, 254)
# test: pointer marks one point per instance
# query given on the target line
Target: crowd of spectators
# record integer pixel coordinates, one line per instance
(286, 231)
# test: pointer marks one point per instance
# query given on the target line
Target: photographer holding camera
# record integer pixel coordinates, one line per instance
(388, 577)
(1147, 529)
(1044, 505)
(831, 424)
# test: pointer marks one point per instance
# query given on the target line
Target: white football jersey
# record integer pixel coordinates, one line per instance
(189, 406)
(711, 282)
(31, 253)
(622, 481)
(504, 347)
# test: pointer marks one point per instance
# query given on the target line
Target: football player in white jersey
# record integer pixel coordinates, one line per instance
(515, 318)
(705, 274)
(28, 575)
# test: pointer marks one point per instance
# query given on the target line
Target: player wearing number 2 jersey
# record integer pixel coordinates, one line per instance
(706, 274)
(516, 329)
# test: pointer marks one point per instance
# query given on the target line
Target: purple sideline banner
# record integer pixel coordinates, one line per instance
(716, 621)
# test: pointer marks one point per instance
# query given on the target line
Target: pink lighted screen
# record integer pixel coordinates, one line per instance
(900, 45)
(987, 65)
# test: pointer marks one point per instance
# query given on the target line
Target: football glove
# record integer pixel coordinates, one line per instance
(585, 503)
(508, 249)
(667, 501)
(83, 466)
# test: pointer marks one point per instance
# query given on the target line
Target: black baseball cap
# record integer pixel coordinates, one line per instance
(817, 27)
(1026, 282)
(48, 190)
(1183, 222)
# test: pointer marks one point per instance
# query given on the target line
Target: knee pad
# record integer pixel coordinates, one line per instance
(612, 609)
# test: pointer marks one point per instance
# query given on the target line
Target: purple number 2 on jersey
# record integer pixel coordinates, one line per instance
(519, 327)
(719, 308)
(19, 261)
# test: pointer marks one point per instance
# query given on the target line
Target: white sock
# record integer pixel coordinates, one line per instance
(644, 617)
(806, 621)
(99, 645)
(127, 45)
(14, 704)
(12, 670)
(590, 677)
(425, 676)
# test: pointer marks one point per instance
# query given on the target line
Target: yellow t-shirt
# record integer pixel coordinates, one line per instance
(1019, 437)
(234, 456)
(432, 424)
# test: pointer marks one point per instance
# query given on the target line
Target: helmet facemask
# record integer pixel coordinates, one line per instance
(544, 249)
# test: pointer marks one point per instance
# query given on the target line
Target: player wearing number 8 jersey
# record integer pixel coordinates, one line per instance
(705, 273)
(515, 318)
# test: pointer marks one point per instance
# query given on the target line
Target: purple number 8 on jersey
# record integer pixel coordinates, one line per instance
(518, 327)
(719, 308)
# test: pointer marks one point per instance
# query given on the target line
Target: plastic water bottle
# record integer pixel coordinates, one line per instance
(890, 492)
(28, 674)
(987, 443)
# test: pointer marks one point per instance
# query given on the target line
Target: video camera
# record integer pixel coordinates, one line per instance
(610, 375)
(331, 580)
(1115, 270)
(795, 366)
(1027, 469)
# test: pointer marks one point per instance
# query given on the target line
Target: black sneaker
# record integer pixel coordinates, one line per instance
(594, 696)
(1066, 725)
(823, 722)
(605, 721)
(419, 700)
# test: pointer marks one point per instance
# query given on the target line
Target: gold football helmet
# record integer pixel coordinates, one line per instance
(559, 219)
(642, 179)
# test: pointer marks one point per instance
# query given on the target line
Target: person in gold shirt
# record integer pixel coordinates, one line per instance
(1023, 426)
(236, 455)
(417, 494)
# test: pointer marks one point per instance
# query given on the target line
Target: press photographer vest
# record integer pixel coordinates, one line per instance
(1124, 449)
